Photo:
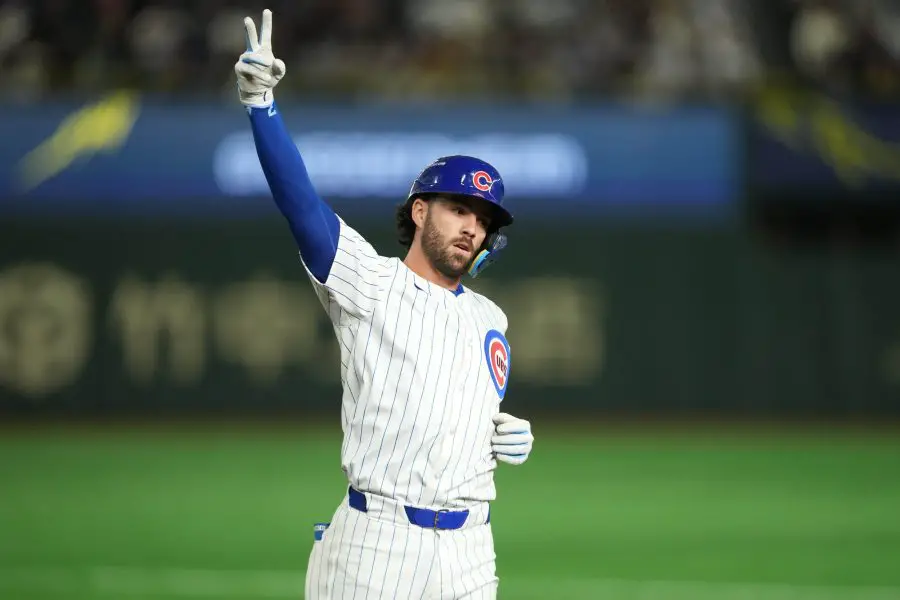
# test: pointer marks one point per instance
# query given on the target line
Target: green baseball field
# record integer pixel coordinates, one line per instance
(190, 511)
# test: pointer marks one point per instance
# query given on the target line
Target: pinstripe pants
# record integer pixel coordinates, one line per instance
(380, 555)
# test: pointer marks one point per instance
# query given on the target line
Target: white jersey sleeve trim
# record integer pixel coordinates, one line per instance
(354, 282)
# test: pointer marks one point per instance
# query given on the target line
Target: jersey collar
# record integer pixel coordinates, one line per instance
(427, 286)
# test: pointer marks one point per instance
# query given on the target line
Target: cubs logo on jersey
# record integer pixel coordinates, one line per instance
(496, 353)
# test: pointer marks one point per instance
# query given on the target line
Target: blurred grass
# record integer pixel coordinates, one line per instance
(595, 513)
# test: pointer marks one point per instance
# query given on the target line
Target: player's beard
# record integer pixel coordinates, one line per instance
(441, 252)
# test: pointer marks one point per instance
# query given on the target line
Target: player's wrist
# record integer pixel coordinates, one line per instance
(256, 99)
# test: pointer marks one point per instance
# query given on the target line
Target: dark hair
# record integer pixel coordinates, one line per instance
(406, 227)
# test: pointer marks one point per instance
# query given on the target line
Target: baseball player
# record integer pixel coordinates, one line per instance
(424, 367)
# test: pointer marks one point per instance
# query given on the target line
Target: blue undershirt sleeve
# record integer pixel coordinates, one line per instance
(313, 223)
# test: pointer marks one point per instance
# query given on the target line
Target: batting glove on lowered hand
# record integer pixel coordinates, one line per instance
(258, 71)
(512, 439)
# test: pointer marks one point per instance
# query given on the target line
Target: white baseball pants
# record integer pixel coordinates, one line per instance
(378, 554)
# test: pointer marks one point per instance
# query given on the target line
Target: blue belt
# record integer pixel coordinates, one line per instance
(423, 517)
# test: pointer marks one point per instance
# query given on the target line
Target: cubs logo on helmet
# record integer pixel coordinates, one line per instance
(482, 181)
(496, 353)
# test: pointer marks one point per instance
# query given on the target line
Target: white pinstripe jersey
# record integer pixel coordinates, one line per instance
(423, 371)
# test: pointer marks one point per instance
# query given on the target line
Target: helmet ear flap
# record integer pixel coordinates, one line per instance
(489, 252)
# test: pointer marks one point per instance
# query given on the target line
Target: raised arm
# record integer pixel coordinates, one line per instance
(313, 223)
(336, 256)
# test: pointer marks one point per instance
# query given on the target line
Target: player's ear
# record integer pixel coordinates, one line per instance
(418, 211)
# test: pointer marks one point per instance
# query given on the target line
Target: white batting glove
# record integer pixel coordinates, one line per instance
(258, 71)
(512, 439)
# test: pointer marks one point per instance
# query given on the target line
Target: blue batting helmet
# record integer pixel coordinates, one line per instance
(464, 176)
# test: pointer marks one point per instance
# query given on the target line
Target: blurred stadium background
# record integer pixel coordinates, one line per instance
(702, 287)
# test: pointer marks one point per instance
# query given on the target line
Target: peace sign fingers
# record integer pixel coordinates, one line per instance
(257, 69)
(263, 41)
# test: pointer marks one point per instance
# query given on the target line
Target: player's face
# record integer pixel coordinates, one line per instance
(452, 233)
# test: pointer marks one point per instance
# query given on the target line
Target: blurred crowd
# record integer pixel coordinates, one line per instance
(455, 49)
